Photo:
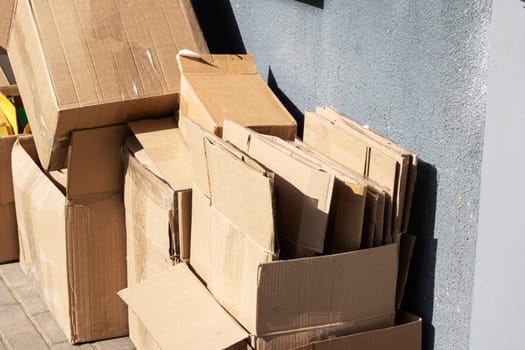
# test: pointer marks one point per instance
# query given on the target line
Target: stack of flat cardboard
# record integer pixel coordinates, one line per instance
(277, 228)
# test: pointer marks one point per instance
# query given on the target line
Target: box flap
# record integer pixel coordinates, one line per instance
(164, 151)
(218, 64)
(180, 313)
(304, 192)
(42, 231)
(95, 164)
(330, 289)
(237, 184)
(6, 17)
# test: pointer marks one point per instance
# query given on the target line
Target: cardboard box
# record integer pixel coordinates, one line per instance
(405, 335)
(273, 298)
(219, 87)
(8, 227)
(157, 197)
(72, 233)
(280, 303)
(75, 71)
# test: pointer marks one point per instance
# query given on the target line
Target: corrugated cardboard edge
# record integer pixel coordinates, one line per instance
(406, 334)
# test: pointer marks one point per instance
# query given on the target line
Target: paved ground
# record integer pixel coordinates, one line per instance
(26, 324)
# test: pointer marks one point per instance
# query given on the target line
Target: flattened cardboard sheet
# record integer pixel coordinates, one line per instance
(304, 192)
(180, 313)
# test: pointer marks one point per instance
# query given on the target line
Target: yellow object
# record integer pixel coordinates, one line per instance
(27, 129)
(8, 114)
(5, 126)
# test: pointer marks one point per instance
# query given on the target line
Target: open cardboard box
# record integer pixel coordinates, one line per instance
(280, 303)
(157, 197)
(75, 71)
(72, 232)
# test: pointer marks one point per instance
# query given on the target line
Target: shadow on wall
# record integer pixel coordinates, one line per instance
(219, 26)
(419, 291)
(316, 3)
(288, 104)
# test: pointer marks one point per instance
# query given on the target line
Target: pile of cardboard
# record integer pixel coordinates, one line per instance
(173, 181)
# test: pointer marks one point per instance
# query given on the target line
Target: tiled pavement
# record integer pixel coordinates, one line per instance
(26, 324)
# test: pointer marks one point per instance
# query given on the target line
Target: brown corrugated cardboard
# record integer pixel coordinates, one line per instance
(73, 244)
(375, 212)
(194, 320)
(219, 87)
(271, 298)
(164, 157)
(395, 151)
(348, 149)
(157, 196)
(304, 191)
(380, 151)
(405, 335)
(75, 71)
(7, 7)
(347, 211)
(8, 227)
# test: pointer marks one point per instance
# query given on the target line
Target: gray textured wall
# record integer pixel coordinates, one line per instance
(413, 70)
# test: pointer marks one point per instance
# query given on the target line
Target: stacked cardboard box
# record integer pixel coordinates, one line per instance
(83, 70)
